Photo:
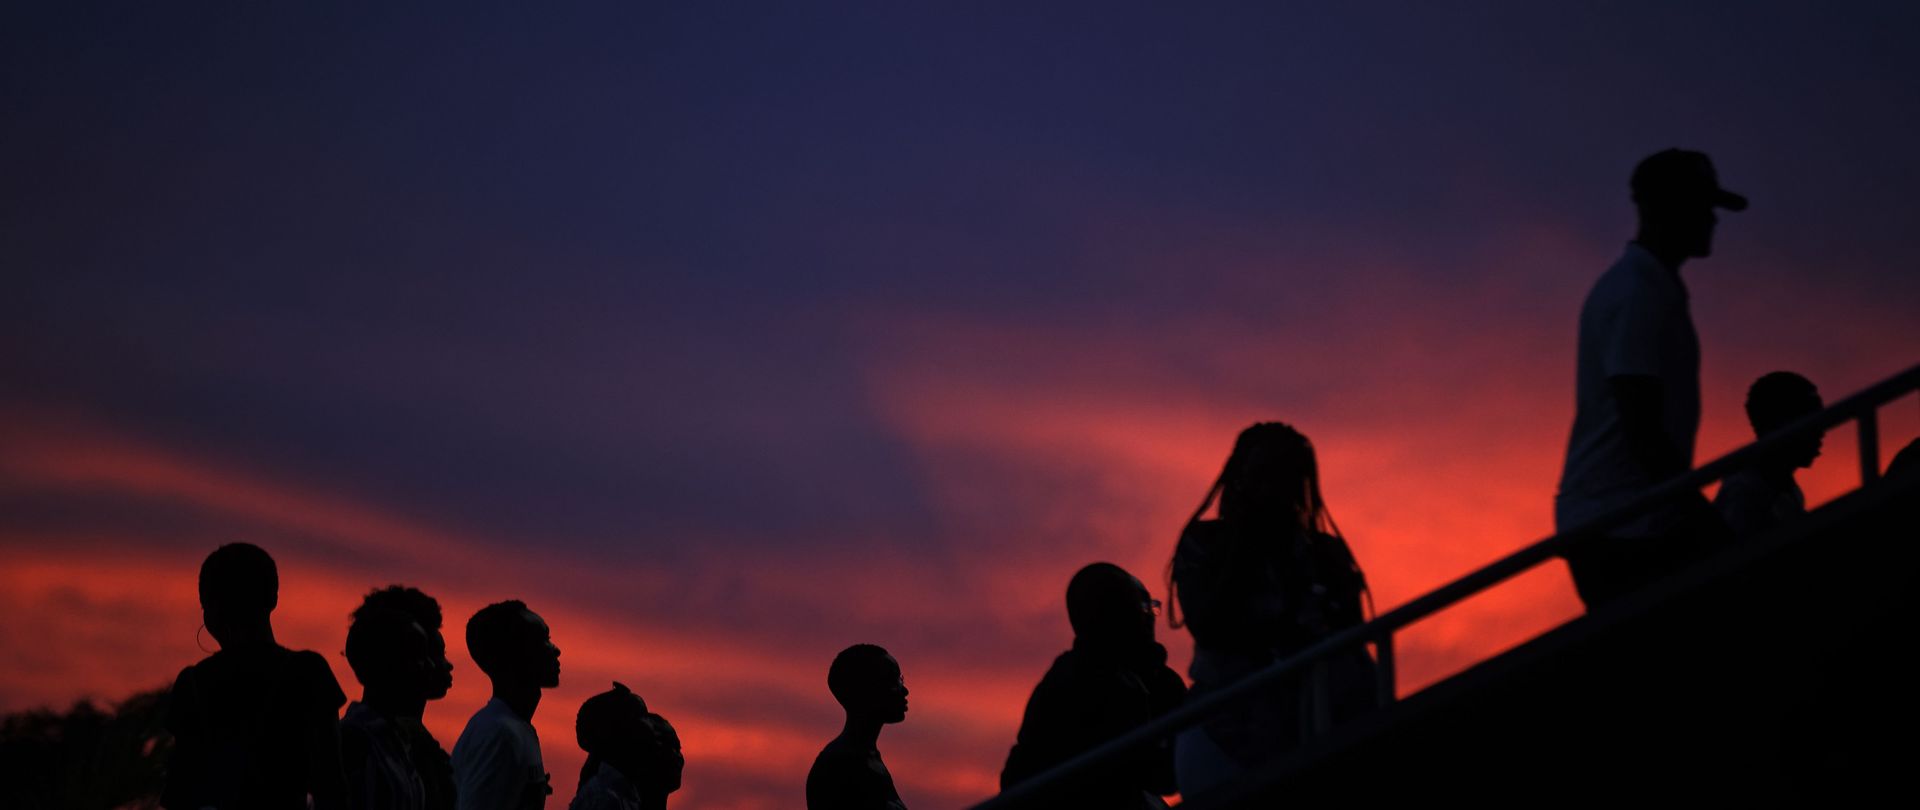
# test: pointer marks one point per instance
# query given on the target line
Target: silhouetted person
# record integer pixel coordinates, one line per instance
(633, 756)
(1637, 387)
(1269, 577)
(1765, 495)
(848, 774)
(1114, 680)
(429, 758)
(255, 724)
(496, 761)
(400, 665)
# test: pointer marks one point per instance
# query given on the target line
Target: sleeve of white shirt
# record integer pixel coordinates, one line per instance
(1634, 345)
(490, 776)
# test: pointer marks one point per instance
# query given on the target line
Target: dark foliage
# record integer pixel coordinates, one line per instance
(86, 758)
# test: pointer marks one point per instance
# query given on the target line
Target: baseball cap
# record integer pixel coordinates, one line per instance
(1681, 175)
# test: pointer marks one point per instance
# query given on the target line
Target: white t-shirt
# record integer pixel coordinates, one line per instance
(1634, 322)
(496, 762)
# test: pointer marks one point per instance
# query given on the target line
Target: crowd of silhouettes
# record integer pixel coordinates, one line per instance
(1259, 573)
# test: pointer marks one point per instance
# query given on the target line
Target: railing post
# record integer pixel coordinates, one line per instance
(1869, 446)
(1384, 677)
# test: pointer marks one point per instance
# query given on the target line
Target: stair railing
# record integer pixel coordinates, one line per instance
(1861, 408)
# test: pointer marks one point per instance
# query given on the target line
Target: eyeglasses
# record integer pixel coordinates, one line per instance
(1152, 606)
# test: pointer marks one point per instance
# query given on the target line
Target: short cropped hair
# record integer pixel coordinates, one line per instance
(491, 633)
(424, 609)
(378, 638)
(1096, 592)
(856, 671)
(240, 576)
(1777, 399)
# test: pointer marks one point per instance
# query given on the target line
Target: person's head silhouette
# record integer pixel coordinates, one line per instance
(1676, 192)
(425, 612)
(392, 657)
(1272, 478)
(665, 762)
(868, 683)
(615, 729)
(513, 646)
(239, 588)
(1109, 607)
(1779, 399)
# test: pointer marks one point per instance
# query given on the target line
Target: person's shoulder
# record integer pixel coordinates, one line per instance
(358, 717)
(835, 748)
(837, 756)
(1740, 484)
(1201, 538)
(188, 677)
(311, 664)
(314, 675)
(825, 775)
(484, 722)
(1636, 274)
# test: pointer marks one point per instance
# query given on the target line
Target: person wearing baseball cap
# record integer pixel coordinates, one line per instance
(1637, 389)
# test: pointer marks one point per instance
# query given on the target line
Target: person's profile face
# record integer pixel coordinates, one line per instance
(1693, 223)
(1143, 610)
(436, 671)
(540, 656)
(672, 762)
(1803, 452)
(890, 692)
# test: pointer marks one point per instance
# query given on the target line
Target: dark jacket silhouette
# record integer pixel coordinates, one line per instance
(1113, 680)
(241, 719)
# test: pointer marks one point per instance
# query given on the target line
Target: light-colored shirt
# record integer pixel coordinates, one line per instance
(496, 762)
(1635, 322)
(607, 789)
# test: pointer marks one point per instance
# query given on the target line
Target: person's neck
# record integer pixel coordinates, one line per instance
(862, 731)
(249, 637)
(1669, 256)
(653, 801)
(521, 699)
(1774, 470)
(1110, 648)
(392, 704)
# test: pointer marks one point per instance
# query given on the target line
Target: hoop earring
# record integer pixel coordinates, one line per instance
(196, 639)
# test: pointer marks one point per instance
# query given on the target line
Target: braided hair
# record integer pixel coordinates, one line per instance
(1264, 452)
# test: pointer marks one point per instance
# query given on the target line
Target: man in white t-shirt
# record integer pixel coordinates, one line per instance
(496, 761)
(1638, 386)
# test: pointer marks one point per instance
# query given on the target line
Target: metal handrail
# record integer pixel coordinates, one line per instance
(1861, 406)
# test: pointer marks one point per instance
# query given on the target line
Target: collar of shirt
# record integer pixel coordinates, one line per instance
(1651, 268)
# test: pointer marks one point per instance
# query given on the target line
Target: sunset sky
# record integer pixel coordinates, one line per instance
(728, 335)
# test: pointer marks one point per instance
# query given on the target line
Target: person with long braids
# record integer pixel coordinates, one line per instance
(1262, 581)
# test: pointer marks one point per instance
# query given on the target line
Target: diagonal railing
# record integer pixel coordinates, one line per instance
(1861, 408)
